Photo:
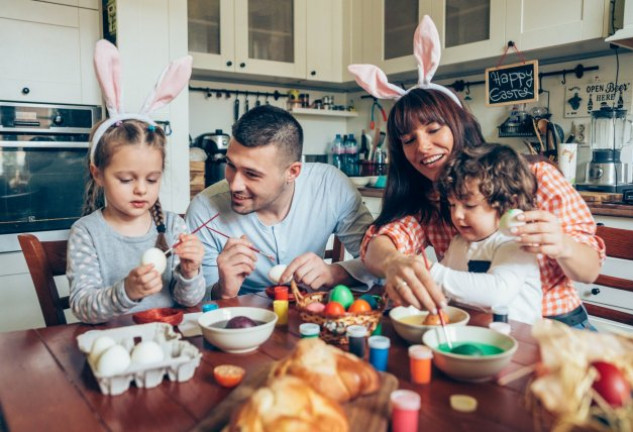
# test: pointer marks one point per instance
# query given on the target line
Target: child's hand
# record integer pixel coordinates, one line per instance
(143, 281)
(191, 253)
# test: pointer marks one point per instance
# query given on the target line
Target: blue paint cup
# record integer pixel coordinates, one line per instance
(379, 352)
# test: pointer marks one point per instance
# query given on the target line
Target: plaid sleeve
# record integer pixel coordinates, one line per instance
(405, 233)
(557, 196)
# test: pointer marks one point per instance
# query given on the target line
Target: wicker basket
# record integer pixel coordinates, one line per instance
(333, 329)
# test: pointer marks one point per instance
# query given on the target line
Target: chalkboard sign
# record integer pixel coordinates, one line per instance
(511, 84)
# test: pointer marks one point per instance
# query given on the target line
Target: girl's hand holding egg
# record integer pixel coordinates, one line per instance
(191, 252)
(143, 281)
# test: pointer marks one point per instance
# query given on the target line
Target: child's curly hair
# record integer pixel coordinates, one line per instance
(504, 176)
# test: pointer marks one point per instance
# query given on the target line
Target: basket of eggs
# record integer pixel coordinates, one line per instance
(337, 309)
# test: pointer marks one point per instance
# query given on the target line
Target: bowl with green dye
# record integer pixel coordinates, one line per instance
(478, 353)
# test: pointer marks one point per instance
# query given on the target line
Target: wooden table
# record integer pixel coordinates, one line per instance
(46, 383)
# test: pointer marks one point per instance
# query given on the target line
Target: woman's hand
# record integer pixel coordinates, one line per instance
(409, 283)
(142, 282)
(191, 252)
(542, 233)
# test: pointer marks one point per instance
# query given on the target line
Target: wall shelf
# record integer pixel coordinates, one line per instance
(323, 112)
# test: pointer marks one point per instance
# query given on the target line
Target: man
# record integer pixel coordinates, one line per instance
(272, 202)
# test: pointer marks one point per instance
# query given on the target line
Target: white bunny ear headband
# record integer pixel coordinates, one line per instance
(108, 68)
(426, 49)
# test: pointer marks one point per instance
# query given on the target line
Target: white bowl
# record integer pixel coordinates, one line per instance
(471, 368)
(414, 332)
(360, 181)
(241, 340)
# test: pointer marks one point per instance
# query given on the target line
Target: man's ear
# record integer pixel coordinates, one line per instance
(293, 171)
(96, 175)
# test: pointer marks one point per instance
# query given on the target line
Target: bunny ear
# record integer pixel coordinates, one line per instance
(374, 81)
(426, 49)
(108, 69)
(170, 83)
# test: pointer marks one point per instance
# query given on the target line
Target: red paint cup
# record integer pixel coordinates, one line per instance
(281, 293)
(420, 363)
(405, 411)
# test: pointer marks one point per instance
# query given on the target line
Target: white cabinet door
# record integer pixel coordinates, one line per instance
(270, 37)
(211, 34)
(534, 24)
(46, 53)
(324, 51)
(469, 29)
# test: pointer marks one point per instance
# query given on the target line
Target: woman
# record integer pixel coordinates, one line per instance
(426, 128)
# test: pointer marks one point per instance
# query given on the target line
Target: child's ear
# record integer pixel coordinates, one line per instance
(96, 175)
(514, 199)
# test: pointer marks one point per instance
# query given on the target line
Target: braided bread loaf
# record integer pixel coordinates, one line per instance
(329, 370)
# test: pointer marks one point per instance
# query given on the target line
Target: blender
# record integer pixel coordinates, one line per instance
(605, 171)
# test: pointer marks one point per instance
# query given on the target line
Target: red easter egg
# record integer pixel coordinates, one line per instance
(334, 309)
(359, 306)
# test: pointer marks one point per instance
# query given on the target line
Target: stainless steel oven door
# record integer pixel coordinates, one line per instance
(41, 186)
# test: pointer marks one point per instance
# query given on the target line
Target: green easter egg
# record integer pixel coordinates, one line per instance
(371, 300)
(342, 295)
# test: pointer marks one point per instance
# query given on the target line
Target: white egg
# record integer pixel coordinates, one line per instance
(274, 274)
(509, 220)
(147, 352)
(113, 361)
(155, 256)
(99, 345)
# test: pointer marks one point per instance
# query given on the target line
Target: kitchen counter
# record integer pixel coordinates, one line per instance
(597, 209)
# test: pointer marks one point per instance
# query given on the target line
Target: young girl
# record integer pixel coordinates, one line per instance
(427, 127)
(126, 161)
(482, 266)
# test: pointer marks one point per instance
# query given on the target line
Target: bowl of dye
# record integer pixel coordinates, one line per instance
(478, 353)
(409, 321)
(237, 340)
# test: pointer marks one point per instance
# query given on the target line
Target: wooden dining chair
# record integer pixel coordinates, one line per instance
(619, 244)
(46, 260)
(337, 253)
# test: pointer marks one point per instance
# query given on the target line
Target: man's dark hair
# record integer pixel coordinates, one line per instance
(266, 124)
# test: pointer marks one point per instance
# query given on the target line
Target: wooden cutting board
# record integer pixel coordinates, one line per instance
(600, 197)
(366, 413)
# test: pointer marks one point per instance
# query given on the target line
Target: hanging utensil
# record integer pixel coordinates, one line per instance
(537, 132)
(246, 108)
(257, 101)
(236, 108)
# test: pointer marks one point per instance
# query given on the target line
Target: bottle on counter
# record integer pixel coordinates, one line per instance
(338, 152)
(351, 156)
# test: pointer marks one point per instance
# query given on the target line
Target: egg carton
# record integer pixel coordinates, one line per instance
(180, 361)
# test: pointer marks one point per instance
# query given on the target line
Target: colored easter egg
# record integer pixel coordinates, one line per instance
(315, 307)
(341, 294)
(359, 306)
(334, 309)
(371, 300)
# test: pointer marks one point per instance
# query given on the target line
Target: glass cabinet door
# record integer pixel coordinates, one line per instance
(270, 37)
(467, 21)
(400, 22)
(210, 31)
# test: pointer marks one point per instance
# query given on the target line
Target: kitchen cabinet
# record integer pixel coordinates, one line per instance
(258, 37)
(476, 29)
(47, 52)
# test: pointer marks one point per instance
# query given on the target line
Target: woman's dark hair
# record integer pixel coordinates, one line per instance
(407, 191)
(504, 176)
(266, 124)
(126, 132)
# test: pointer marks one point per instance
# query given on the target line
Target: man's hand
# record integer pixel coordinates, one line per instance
(143, 281)
(235, 263)
(310, 270)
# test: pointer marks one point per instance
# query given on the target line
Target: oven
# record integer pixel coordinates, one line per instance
(43, 168)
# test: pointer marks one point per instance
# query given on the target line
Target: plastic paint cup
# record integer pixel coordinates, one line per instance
(500, 314)
(281, 293)
(356, 336)
(420, 363)
(281, 309)
(209, 307)
(379, 352)
(309, 330)
(405, 411)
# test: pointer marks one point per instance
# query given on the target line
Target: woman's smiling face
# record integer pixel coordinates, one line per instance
(428, 148)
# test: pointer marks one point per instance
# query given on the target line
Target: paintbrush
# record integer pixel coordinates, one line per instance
(179, 242)
(439, 312)
(270, 257)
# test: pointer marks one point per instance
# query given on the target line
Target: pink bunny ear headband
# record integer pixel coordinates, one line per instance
(426, 49)
(108, 68)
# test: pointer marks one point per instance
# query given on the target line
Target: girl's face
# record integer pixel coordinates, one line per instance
(131, 182)
(473, 217)
(428, 148)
